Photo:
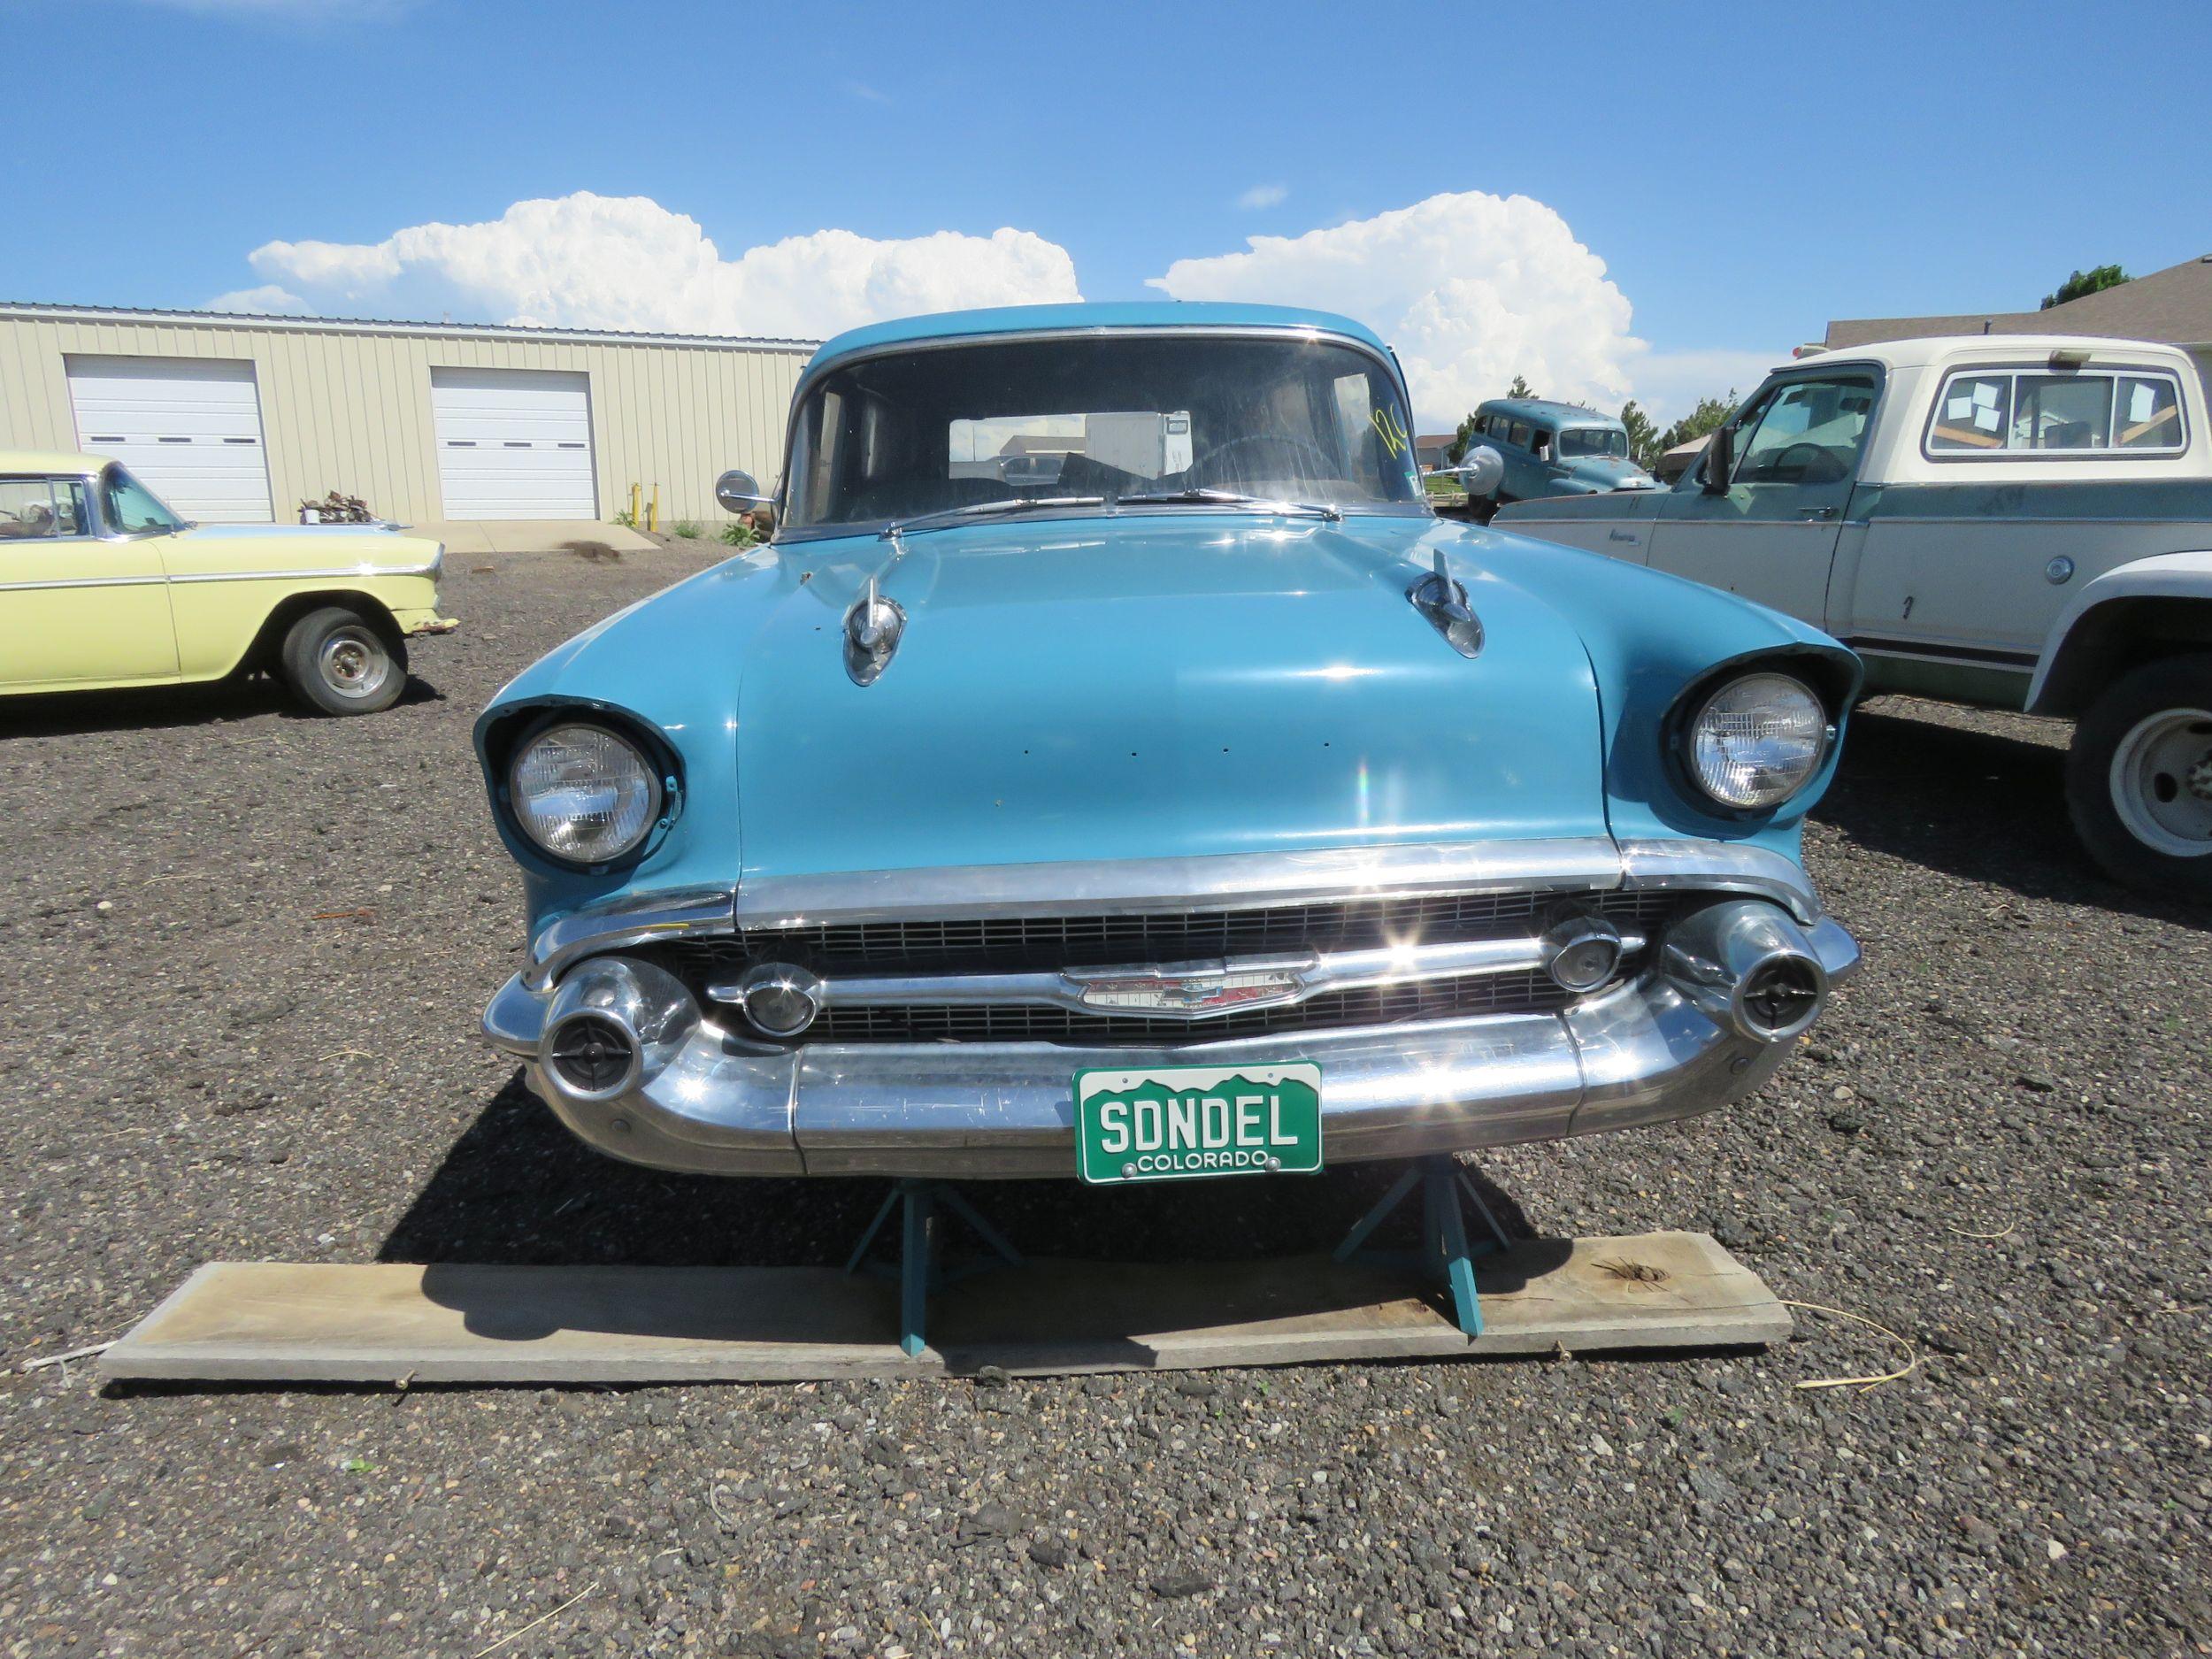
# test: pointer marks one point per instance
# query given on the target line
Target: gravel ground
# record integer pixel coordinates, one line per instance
(247, 952)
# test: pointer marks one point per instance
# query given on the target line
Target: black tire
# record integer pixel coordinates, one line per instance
(338, 662)
(2144, 752)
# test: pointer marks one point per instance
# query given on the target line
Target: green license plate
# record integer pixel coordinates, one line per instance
(1176, 1123)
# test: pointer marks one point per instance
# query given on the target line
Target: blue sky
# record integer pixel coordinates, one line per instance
(1737, 175)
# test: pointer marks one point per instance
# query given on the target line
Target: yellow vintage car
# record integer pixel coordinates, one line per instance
(101, 586)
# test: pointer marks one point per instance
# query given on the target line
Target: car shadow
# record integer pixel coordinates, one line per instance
(77, 713)
(518, 1188)
(1983, 806)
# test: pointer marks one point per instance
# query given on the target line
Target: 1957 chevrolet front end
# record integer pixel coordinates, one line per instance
(1212, 758)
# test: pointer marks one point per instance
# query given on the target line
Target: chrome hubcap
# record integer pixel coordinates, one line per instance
(2162, 782)
(353, 663)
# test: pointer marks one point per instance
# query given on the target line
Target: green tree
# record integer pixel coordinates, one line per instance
(2091, 282)
(1462, 438)
(1520, 389)
(1643, 437)
(1709, 416)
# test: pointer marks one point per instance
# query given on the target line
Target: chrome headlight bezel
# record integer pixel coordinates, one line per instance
(1699, 702)
(652, 771)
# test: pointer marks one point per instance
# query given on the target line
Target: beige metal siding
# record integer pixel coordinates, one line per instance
(351, 412)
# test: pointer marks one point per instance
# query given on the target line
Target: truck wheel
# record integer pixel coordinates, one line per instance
(2139, 778)
(337, 663)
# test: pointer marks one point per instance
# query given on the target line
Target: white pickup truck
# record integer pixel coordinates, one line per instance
(2021, 521)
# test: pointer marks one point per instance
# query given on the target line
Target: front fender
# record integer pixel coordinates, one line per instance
(2091, 639)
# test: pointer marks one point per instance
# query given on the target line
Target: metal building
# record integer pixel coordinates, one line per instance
(241, 419)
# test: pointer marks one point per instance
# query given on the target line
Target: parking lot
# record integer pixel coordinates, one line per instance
(246, 956)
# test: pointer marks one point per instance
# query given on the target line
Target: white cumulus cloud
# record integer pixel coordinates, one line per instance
(591, 261)
(1263, 195)
(1470, 289)
(268, 299)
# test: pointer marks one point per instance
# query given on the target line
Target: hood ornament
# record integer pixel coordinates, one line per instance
(873, 630)
(1444, 603)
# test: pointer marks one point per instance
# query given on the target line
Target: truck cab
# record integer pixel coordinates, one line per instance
(1551, 448)
(2018, 521)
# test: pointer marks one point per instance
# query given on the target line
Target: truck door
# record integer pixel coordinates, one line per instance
(1771, 534)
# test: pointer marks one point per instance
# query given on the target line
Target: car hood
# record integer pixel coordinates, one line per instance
(1153, 685)
(1606, 473)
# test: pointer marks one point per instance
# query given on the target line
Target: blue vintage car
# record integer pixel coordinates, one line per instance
(1552, 448)
(1199, 805)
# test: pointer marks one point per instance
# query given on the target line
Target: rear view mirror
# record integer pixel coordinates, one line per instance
(1720, 460)
(738, 492)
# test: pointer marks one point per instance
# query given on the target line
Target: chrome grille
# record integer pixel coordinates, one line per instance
(1436, 999)
(1048, 943)
(1053, 943)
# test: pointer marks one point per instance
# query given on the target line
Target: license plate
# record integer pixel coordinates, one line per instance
(1176, 1123)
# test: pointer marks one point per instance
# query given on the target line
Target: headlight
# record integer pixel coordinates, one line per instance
(1757, 740)
(583, 794)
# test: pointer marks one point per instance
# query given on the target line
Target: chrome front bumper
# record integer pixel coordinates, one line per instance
(1668, 1044)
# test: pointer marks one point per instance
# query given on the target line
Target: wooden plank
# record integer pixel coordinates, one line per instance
(273, 1321)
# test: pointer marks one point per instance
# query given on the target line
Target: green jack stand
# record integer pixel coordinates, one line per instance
(1445, 1255)
(921, 1271)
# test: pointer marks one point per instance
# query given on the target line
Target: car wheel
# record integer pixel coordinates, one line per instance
(2139, 778)
(337, 663)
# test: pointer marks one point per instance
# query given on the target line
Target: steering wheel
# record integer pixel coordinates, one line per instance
(1325, 466)
(1814, 464)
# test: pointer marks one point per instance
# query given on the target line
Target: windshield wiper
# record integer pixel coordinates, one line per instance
(944, 516)
(1199, 497)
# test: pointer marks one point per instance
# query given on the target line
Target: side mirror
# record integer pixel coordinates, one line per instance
(740, 492)
(1481, 470)
(1720, 460)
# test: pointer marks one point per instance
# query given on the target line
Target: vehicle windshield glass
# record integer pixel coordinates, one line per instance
(930, 431)
(1593, 441)
(130, 508)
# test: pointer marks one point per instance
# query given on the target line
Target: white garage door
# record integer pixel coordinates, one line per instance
(514, 443)
(190, 429)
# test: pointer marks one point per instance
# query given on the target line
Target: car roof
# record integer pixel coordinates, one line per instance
(1926, 349)
(1547, 409)
(1021, 319)
(58, 463)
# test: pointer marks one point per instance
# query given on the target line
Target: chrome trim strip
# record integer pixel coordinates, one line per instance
(1218, 881)
(428, 567)
(1949, 659)
(85, 582)
(354, 571)
(2011, 523)
(631, 919)
(1711, 866)
(1303, 977)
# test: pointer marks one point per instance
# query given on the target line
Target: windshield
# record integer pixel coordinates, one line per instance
(130, 508)
(1593, 441)
(934, 430)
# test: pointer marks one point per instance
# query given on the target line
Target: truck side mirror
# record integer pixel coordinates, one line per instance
(738, 492)
(1720, 460)
(1481, 470)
